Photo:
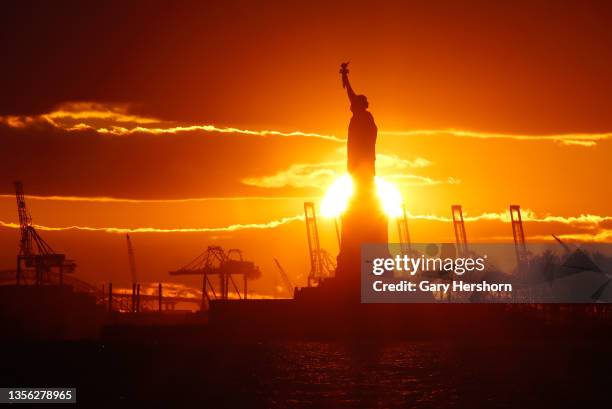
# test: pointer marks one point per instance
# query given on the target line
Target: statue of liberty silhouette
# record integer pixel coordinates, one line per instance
(364, 220)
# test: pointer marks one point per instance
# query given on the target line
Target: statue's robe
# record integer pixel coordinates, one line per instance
(364, 220)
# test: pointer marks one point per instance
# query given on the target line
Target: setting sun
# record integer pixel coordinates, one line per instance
(390, 197)
(336, 198)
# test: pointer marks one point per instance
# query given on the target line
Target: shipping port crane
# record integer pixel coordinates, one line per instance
(135, 283)
(34, 252)
(322, 264)
(459, 225)
(288, 284)
(216, 261)
(404, 233)
(522, 256)
(131, 259)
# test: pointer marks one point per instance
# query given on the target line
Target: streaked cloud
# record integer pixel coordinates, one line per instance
(575, 139)
(603, 235)
(595, 224)
(119, 120)
(113, 120)
(231, 228)
(526, 215)
(79, 111)
(115, 130)
(103, 199)
(299, 175)
(586, 227)
(321, 175)
(394, 162)
(418, 180)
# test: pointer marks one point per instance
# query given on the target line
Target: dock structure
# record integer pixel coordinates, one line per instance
(225, 265)
(459, 226)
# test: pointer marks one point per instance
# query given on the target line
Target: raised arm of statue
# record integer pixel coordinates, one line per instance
(345, 81)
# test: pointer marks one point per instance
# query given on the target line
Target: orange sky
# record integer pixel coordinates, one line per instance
(139, 108)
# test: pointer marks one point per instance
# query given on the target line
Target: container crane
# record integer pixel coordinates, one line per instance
(131, 259)
(404, 233)
(286, 281)
(215, 261)
(322, 264)
(34, 252)
(459, 225)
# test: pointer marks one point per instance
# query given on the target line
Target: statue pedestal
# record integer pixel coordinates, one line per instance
(363, 222)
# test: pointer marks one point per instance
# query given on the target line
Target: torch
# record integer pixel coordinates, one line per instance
(344, 71)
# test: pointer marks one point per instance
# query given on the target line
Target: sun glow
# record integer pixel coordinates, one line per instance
(390, 197)
(337, 197)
